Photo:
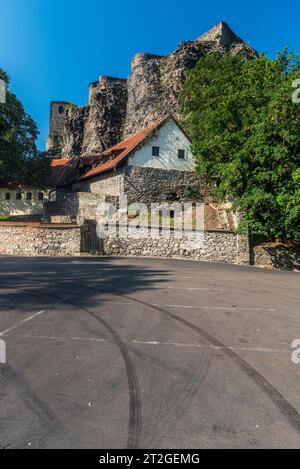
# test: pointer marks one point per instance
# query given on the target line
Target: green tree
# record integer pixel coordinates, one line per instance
(245, 132)
(18, 133)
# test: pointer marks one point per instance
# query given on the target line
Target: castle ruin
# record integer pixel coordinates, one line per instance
(119, 107)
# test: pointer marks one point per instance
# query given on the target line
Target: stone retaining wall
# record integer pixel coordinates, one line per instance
(34, 239)
(216, 247)
(40, 239)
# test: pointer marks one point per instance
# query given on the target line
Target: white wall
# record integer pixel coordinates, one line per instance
(16, 207)
(170, 139)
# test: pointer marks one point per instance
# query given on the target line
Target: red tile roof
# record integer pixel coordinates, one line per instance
(57, 169)
(59, 163)
(117, 154)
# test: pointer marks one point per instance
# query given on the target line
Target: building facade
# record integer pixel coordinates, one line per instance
(22, 201)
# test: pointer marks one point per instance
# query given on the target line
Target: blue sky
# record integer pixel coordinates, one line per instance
(52, 49)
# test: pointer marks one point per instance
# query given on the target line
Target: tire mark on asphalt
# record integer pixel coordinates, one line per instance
(135, 418)
(162, 411)
(32, 401)
(286, 409)
(282, 404)
(176, 399)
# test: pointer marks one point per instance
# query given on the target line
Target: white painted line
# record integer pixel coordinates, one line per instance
(62, 338)
(72, 262)
(33, 316)
(215, 347)
(190, 289)
(119, 303)
(174, 344)
(156, 343)
(221, 308)
(30, 318)
(186, 278)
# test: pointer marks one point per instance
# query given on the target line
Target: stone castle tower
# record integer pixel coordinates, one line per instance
(58, 114)
(119, 107)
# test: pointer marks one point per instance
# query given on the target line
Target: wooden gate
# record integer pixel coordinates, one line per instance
(90, 242)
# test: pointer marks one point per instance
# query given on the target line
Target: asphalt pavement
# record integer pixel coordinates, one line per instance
(147, 353)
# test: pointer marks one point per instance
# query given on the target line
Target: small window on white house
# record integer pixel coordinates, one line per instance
(181, 154)
(7, 196)
(29, 196)
(155, 151)
(41, 196)
(19, 196)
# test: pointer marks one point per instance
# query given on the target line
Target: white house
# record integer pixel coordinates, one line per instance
(163, 146)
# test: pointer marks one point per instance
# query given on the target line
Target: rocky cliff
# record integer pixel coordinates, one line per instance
(120, 107)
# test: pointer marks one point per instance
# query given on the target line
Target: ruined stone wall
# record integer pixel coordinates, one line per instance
(118, 107)
(73, 132)
(31, 239)
(93, 128)
(58, 113)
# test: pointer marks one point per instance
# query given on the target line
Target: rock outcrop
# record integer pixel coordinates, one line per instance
(120, 107)
(155, 82)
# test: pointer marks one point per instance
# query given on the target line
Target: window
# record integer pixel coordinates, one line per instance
(155, 151)
(19, 196)
(29, 196)
(181, 154)
(172, 197)
(7, 196)
(61, 110)
(41, 196)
